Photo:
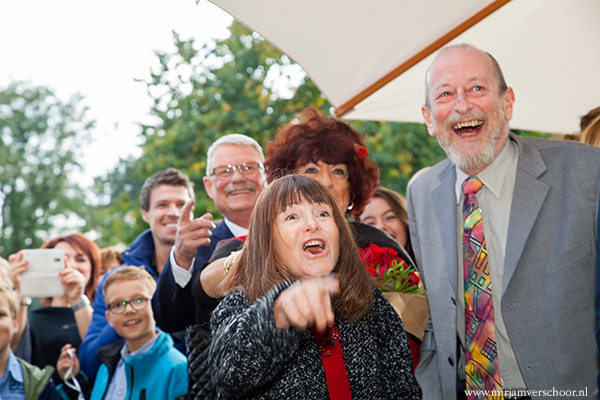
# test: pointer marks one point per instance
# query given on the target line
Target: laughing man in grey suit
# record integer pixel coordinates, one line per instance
(538, 204)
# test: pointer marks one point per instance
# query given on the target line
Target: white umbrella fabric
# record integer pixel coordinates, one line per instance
(369, 57)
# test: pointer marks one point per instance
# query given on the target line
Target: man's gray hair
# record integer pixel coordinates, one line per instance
(497, 70)
(234, 138)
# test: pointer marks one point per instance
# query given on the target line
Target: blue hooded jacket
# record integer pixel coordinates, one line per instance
(140, 254)
(161, 372)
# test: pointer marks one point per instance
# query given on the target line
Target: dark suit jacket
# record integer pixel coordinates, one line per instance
(174, 307)
(548, 283)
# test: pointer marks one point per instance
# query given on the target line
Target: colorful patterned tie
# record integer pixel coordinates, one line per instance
(481, 365)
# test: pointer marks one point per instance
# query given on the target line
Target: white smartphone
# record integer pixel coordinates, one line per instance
(41, 278)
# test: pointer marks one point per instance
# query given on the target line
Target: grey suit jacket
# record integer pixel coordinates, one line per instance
(549, 268)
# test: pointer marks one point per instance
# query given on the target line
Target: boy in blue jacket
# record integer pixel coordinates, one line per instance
(145, 365)
(18, 379)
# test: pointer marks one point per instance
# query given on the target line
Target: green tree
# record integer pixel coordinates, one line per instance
(200, 94)
(399, 149)
(39, 137)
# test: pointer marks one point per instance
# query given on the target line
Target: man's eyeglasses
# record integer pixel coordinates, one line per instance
(246, 169)
(137, 304)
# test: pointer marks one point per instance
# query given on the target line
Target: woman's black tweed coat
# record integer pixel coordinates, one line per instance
(251, 359)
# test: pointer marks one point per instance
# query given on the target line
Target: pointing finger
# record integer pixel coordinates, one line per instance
(334, 286)
(187, 212)
(208, 217)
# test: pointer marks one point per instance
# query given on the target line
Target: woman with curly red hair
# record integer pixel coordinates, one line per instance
(330, 151)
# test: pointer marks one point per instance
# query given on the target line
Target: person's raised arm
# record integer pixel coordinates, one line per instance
(211, 277)
(173, 304)
(206, 289)
(17, 266)
(74, 282)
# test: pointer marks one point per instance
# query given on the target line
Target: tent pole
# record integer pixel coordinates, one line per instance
(414, 60)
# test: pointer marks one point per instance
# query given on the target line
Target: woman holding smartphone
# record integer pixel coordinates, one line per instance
(62, 319)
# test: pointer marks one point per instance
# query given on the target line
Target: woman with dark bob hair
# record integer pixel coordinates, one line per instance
(301, 319)
(327, 150)
(332, 153)
(63, 319)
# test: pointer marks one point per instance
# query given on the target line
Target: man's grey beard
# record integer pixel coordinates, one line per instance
(474, 162)
(467, 161)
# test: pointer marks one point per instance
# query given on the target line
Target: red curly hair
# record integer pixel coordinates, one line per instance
(316, 138)
(88, 247)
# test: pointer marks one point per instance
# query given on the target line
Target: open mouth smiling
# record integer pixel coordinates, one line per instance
(132, 322)
(240, 191)
(468, 128)
(314, 246)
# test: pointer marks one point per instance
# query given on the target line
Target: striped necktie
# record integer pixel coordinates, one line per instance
(481, 365)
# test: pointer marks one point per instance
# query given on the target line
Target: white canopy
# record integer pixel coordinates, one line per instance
(369, 57)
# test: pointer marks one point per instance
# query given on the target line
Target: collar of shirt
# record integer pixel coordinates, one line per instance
(14, 367)
(235, 229)
(14, 373)
(494, 175)
(117, 387)
(125, 353)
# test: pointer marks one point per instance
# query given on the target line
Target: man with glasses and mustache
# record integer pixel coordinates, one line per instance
(504, 235)
(235, 176)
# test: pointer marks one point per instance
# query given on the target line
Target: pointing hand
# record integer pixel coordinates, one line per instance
(191, 234)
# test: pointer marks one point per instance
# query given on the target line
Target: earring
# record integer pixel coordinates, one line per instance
(351, 206)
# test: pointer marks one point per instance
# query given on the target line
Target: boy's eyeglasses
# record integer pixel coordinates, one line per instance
(246, 169)
(136, 304)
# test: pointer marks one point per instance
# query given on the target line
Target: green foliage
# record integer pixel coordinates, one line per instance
(39, 136)
(199, 95)
(543, 135)
(202, 93)
(399, 149)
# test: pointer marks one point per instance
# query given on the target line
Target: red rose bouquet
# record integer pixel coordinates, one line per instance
(401, 285)
(385, 264)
